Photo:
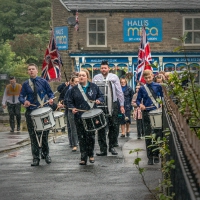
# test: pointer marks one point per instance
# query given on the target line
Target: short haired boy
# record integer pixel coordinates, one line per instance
(146, 105)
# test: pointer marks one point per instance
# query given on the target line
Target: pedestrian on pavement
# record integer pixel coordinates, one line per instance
(125, 120)
(33, 92)
(10, 99)
(137, 114)
(72, 132)
(147, 104)
(76, 101)
(113, 122)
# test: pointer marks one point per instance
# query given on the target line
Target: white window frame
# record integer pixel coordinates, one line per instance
(185, 17)
(105, 20)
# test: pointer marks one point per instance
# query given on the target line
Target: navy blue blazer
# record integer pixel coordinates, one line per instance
(74, 98)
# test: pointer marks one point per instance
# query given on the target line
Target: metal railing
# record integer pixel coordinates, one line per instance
(185, 150)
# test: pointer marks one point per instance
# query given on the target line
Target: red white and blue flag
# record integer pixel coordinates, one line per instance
(144, 57)
(51, 67)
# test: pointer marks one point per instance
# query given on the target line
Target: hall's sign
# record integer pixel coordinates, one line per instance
(61, 36)
(132, 29)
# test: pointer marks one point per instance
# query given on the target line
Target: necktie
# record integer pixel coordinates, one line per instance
(152, 92)
(13, 97)
(34, 91)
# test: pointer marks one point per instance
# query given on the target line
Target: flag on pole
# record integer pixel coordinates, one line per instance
(52, 62)
(77, 22)
(144, 57)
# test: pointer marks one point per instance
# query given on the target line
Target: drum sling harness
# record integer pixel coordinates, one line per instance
(151, 96)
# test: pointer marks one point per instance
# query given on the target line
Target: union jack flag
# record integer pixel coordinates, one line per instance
(144, 57)
(52, 62)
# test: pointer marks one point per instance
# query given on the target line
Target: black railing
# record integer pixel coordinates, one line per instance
(186, 175)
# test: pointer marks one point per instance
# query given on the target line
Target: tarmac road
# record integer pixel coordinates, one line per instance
(110, 177)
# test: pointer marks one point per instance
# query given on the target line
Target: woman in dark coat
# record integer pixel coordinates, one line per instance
(76, 102)
(126, 119)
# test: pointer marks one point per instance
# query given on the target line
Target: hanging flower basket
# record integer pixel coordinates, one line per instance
(129, 75)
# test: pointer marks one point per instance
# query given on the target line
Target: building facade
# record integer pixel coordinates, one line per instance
(110, 30)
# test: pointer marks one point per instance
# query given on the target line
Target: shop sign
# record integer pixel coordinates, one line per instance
(181, 59)
(110, 60)
(132, 29)
(61, 36)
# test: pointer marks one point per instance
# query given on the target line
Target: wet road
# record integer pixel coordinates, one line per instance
(110, 178)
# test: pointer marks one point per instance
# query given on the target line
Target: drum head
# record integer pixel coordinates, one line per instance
(91, 113)
(58, 114)
(41, 111)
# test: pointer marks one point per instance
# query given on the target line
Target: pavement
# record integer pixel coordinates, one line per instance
(10, 142)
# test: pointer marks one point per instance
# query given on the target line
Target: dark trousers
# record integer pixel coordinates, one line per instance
(72, 134)
(34, 144)
(14, 110)
(113, 127)
(86, 140)
(140, 131)
(148, 131)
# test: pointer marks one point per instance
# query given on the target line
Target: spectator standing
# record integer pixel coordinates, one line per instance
(10, 99)
(125, 120)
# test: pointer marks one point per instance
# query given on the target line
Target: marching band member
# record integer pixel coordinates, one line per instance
(113, 120)
(76, 101)
(32, 93)
(145, 103)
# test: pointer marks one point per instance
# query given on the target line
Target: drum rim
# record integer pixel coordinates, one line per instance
(40, 114)
(61, 114)
(93, 115)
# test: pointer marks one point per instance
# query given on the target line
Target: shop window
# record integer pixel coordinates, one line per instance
(96, 32)
(191, 25)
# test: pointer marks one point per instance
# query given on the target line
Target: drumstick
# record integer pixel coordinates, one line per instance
(78, 110)
(150, 107)
(46, 103)
(57, 106)
(33, 105)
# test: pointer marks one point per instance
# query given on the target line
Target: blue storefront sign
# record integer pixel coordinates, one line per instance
(110, 60)
(181, 59)
(132, 29)
(61, 36)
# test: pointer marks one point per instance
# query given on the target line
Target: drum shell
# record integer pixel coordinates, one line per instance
(89, 120)
(156, 119)
(59, 120)
(43, 119)
(106, 89)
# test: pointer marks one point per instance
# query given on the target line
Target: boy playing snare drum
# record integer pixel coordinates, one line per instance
(147, 104)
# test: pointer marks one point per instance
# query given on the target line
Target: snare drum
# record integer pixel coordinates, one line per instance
(94, 120)
(59, 120)
(43, 119)
(106, 89)
(156, 118)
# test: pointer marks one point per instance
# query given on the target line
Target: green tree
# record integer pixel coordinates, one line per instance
(24, 16)
(30, 47)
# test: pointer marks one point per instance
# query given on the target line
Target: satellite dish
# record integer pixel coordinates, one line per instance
(71, 20)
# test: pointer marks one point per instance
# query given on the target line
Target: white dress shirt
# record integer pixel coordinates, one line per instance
(116, 87)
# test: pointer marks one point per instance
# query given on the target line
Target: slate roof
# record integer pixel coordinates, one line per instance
(134, 5)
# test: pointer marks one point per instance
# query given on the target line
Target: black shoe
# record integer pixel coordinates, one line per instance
(101, 154)
(150, 161)
(139, 138)
(122, 135)
(12, 130)
(48, 159)
(82, 162)
(156, 160)
(35, 162)
(91, 160)
(112, 150)
(127, 134)
(18, 128)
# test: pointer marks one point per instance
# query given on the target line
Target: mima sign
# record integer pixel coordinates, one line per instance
(132, 29)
